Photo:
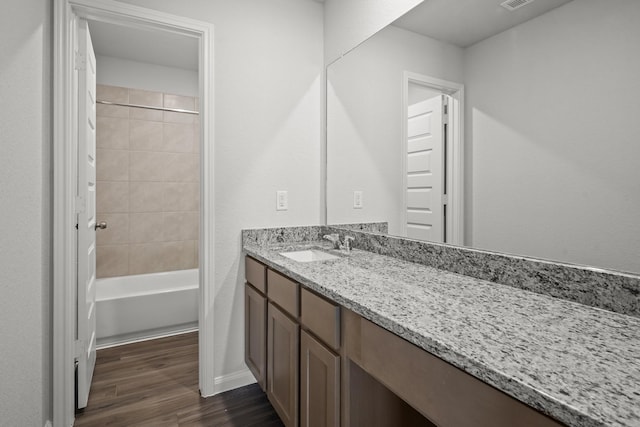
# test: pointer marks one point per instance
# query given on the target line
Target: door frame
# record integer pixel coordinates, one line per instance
(455, 150)
(65, 179)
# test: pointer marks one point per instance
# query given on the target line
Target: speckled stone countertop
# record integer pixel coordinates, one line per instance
(578, 364)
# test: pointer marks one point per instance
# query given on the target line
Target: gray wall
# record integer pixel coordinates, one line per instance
(25, 232)
(552, 136)
(347, 23)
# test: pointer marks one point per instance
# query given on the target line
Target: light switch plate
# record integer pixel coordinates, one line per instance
(282, 200)
(357, 199)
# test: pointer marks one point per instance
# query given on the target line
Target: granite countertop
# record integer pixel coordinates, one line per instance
(578, 364)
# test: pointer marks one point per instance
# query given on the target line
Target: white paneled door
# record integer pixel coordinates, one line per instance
(86, 208)
(425, 170)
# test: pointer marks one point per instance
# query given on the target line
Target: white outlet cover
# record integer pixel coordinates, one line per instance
(282, 200)
(357, 200)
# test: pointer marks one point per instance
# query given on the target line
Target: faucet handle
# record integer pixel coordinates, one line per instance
(333, 238)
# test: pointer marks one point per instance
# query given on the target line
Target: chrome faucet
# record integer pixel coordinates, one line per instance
(337, 244)
(347, 243)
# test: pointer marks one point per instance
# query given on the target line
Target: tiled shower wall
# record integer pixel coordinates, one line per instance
(147, 183)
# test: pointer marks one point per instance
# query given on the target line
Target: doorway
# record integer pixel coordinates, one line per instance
(432, 156)
(66, 174)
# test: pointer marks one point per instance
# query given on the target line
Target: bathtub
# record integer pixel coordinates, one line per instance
(145, 306)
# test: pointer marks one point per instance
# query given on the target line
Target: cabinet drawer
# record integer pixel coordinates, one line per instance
(256, 273)
(283, 292)
(321, 317)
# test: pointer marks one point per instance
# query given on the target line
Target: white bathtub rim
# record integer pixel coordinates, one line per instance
(140, 284)
(144, 294)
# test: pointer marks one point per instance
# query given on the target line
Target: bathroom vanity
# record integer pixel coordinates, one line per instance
(372, 340)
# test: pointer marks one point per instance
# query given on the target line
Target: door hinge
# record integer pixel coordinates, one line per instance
(79, 349)
(445, 109)
(445, 199)
(80, 204)
(80, 61)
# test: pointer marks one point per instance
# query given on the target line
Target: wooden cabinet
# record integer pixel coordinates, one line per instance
(327, 366)
(319, 364)
(255, 334)
(255, 320)
(300, 371)
(446, 395)
(282, 370)
(319, 384)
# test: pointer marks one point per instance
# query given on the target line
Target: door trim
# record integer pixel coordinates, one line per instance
(455, 152)
(65, 177)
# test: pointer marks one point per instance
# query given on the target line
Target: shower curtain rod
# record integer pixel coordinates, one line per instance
(121, 104)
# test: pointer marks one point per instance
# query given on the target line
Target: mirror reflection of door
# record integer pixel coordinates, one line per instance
(425, 166)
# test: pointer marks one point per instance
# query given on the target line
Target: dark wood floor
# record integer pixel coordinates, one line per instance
(155, 383)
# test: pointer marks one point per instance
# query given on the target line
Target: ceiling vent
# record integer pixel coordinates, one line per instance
(515, 4)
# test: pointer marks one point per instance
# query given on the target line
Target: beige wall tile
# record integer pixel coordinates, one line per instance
(112, 260)
(180, 226)
(147, 165)
(146, 227)
(178, 138)
(112, 93)
(112, 165)
(145, 135)
(145, 97)
(179, 101)
(182, 167)
(146, 258)
(181, 197)
(147, 191)
(112, 133)
(112, 197)
(196, 251)
(146, 196)
(178, 255)
(173, 117)
(196, 135)
(117, 231)
(145, 114)
(103, 110)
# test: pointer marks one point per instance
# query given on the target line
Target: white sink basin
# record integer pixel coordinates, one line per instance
(309, 255)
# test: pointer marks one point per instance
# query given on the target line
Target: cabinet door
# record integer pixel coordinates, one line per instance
(255, 334)
(319, 384)
(282, 365)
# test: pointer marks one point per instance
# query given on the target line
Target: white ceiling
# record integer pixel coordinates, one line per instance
(466, 22)
(459, 22)
(154, 47)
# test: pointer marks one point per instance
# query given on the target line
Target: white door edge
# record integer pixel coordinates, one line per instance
(455, 155)
(65, 178)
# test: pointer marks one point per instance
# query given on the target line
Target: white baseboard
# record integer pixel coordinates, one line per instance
(145, 336)
(234, 380)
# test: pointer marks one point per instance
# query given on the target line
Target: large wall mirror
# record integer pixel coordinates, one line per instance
(514, 131)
